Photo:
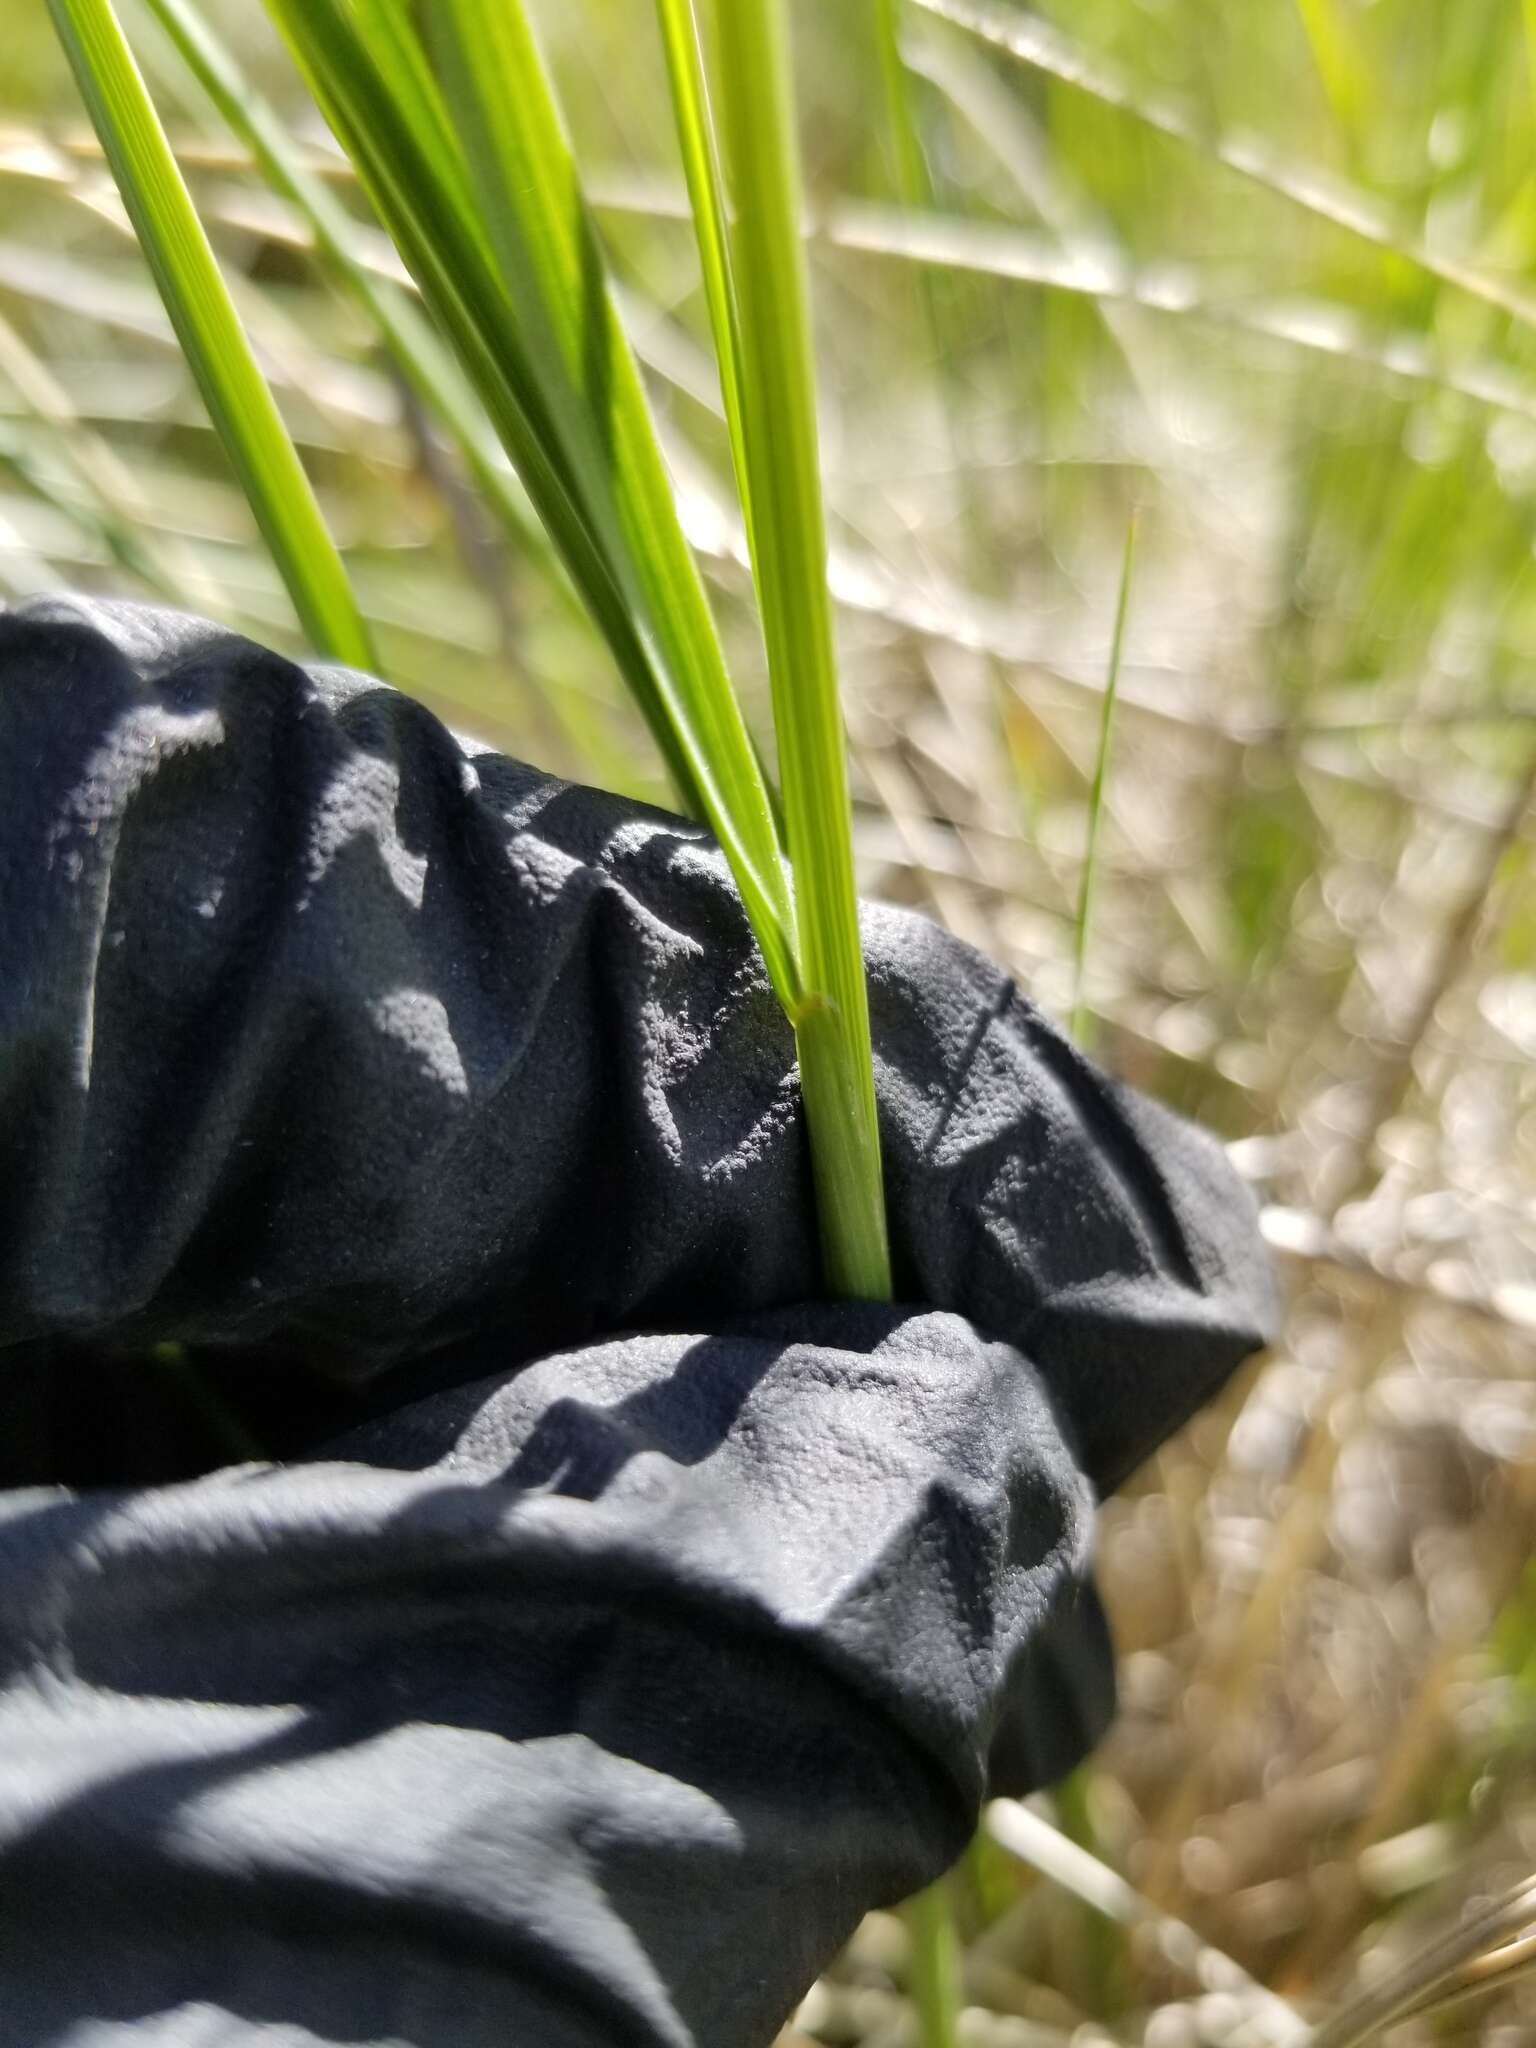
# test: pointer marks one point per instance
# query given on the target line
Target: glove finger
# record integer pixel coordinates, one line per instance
(539, 1706)
(1108, 1239)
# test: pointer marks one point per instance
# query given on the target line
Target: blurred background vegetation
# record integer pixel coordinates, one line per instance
(1264, 274)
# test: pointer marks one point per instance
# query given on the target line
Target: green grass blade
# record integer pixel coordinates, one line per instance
(790, 562)
(706, 195)
(1080, 1018)
(1339, 66)
(411, 341)
(421, 357)
(588, 389)
(591, 392)
(528, 312)
(395, 130)
(419, 187)
(935, 1973)
(209, 329)
(913, 183)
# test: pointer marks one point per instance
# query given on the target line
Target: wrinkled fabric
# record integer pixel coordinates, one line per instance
(364, 1098)
(322, 1027)
(604, 1726)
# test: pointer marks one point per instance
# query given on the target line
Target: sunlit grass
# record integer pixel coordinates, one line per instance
(209, 329)
(411, 341)
(1321, 391)
(775, 389)
(1096, 793)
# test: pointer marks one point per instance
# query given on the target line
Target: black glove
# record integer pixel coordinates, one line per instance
(586, 1703)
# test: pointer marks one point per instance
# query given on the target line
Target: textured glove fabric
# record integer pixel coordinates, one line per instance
(318, 1026)
(564, 1685)
(603, 1727)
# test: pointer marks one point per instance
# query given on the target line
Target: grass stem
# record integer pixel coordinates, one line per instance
(780, 443)
(1081, 1022)
(934, 1971)
(209, 330)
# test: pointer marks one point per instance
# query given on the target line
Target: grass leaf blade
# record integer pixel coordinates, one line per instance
(790, 563)
(209, 330)
(525, 302)
(706, 194)
(1080, 1021)
(411, 341)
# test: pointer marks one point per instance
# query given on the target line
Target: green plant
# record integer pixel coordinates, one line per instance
(458, 140)
(936, 1966)
(754, 272)
(209, 329)
(1157, 289)
(1100, 784)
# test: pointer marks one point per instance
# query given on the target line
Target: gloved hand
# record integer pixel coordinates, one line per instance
(582, 1703)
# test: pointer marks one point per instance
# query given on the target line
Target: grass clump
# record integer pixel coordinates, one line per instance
(1208, 267)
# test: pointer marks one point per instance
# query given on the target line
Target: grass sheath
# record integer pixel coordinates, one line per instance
(209, 330)
(934, 1970)
(779, 444)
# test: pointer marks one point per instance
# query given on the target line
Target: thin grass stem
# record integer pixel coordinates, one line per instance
(706, 195)
(788, 534)
(935, 1966)
(209, 330)
(416, 349)
(1081, 1022)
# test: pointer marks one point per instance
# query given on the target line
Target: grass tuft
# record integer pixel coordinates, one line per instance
(1155, 288)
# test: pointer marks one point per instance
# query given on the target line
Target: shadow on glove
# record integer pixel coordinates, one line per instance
(594, 1700)
(588, 1705)
(326, 1036)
